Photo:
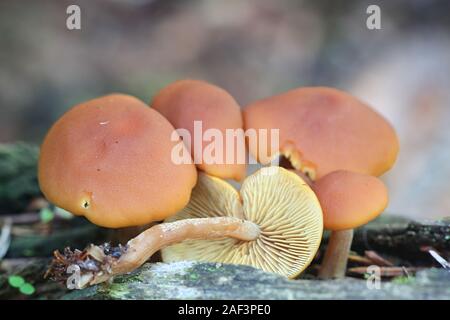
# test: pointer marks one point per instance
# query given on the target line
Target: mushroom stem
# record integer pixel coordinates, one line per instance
(334, 263)
(143, 246)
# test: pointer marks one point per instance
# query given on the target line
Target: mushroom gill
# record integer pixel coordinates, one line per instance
(278, 201)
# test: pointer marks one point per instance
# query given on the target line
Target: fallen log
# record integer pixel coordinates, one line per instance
(409, 241)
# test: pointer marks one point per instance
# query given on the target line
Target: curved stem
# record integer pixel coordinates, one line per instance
(162, 235)
(142, 247)
(334, 264)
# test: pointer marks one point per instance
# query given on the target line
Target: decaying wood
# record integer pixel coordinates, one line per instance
(32, 270)
(405, 242)
(194, 280)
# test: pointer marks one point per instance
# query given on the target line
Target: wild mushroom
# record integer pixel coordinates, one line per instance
(274, 223)
(282, 206)
(323, 130)
(348, 200)
(186, 102)
(109, 159)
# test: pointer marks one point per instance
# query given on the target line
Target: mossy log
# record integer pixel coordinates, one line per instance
(404, 239)
(194, 280)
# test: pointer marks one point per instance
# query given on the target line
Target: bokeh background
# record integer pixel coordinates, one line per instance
(251, 48)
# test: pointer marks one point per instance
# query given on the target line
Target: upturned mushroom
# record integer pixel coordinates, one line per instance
(348, 201)
(323, 130)
(281, 204)
(109, 159)
(187, 103)
(274, 223)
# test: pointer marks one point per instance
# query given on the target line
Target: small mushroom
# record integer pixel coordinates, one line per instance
(274, 223)
(348, 201)
(109, 159)
(186, 101)
(323, 130)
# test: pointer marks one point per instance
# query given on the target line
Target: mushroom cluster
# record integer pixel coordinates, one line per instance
(109, 159)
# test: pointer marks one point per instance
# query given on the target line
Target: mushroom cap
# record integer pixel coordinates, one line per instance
(278, 201)
(350, 199)
(109, 159)
(186, 101)
(323, 130)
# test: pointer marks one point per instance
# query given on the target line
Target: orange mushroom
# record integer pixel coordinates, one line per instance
(348, 200)
(109, 159)
(323, 130)
(187, 101)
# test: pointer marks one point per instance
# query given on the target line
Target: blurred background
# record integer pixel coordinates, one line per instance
(253, 49)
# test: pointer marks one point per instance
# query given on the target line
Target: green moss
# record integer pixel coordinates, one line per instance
(194, 276)
(403, 280)
(129, 279)
(18, 176)
(185, 280)
(115, 291)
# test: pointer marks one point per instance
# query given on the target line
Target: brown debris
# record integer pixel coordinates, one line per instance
(377, 259)
(92, 260)
(357, 259)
